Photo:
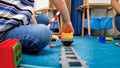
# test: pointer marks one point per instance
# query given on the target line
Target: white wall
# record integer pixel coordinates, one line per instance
(41, 4)
(99, 12)
(99, 1)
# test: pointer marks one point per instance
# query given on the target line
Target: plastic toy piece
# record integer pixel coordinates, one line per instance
(102, 39)
(70, 59)
(118, 44)
(11, 53)
(55, 17)
(109, 39)
(67, 38)
(87, 35)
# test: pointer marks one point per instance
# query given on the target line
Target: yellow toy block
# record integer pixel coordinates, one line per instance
(109, 39)
(67, 38)
(67, 35)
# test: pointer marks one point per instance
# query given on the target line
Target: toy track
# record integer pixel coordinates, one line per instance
(70, 59)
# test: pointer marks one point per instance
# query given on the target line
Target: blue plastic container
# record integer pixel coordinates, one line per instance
(102, 39)
(99, 23)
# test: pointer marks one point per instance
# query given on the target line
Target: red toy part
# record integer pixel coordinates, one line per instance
(55, 17)
(11, 53)
(60, 37)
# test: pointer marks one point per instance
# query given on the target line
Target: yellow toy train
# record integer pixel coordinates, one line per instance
(67, 38)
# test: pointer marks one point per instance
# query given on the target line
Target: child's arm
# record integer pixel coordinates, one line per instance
(67, 26)
(115, 5)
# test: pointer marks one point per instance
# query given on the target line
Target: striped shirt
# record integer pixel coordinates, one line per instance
(16, 12)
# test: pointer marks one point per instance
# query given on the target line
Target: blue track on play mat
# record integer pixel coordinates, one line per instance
(96, 54)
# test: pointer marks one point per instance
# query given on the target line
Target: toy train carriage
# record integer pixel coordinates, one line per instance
(67, 38)
(11, 53)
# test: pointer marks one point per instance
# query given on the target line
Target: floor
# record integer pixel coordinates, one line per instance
(96, 54)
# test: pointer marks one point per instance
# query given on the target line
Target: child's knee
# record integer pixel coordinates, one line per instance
(42, 19)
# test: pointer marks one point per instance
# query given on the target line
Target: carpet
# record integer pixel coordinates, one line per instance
(96, 54)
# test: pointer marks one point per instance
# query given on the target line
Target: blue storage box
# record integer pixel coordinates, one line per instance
(99, 23)
(106, 23)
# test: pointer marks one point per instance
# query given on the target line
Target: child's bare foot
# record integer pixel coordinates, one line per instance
(55, 37)
(52, 45)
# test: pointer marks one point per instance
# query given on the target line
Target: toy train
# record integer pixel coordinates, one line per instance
(67, 38)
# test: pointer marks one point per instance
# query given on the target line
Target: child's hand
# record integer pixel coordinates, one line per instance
(67, 28)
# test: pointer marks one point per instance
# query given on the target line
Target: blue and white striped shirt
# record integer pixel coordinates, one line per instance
(16, 12)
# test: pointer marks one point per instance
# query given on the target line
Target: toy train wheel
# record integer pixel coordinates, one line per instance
(67, 43)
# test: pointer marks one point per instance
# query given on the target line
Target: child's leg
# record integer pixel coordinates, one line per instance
(33, 37)
(117, 22)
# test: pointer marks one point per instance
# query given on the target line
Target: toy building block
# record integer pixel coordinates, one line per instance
(109, 39)
(11, 53)
(67, 38)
